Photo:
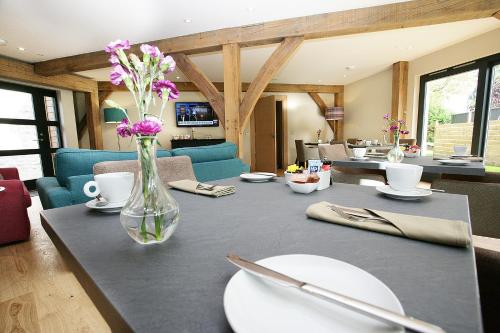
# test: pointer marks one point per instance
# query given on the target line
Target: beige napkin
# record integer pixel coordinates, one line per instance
(434, 230)
(200, 188)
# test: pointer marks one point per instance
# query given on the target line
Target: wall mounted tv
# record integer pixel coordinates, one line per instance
(195, 114)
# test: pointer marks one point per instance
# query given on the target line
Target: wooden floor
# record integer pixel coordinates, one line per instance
(37, 291)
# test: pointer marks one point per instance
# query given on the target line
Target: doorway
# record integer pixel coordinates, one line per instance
(269, 134)
(29, 131)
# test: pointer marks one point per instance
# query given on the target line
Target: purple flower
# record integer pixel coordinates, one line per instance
(167, 64)
(401, 121)
(117, 75)
(393, 128)
(162, 86)
(153, 51)
(114, 60)
(386, 116)
(117, 45)
(123, 129)
(146, 127)
(404, 132)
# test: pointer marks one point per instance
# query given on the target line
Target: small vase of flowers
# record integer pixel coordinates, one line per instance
(396, 128)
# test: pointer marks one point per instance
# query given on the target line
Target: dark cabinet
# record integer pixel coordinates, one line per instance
(195, 142)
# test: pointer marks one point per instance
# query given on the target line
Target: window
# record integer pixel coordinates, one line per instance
(460, 105)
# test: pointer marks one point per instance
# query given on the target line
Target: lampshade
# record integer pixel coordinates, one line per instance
(335, 113)
(114, 115)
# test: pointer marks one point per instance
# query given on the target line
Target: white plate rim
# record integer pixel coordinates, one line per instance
(112, 206)
(455, 162)
(402, 194)
(262, 262)
(364, 158)
(255, 177)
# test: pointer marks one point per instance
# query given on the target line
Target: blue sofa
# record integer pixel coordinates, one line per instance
(74, 167)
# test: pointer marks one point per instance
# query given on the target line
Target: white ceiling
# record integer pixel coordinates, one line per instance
(55, 28)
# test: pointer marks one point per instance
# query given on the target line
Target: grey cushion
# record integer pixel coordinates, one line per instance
(169, 168)
(484, 204)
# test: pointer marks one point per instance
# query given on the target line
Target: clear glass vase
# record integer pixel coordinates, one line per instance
(395, 155)
(151, 214)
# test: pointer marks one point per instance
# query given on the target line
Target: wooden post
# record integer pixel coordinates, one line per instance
(94, 119)
(399, 90)
(232, 93)
(339, 124)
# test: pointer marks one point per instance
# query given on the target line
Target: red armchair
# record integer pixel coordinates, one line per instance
(14, 203)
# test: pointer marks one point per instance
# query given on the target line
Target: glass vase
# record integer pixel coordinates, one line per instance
(395, 155)
(151, 214)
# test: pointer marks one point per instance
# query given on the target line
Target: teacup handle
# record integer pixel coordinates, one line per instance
(88, 185)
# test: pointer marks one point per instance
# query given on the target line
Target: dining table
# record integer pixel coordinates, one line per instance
(178, 285)
(429, 164)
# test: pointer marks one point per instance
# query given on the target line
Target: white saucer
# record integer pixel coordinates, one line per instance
(359, 158)
(113, 207)
(258, 177)
(454, 162)
(416, 194)
(461, 156)
(2, 188)
(255, 305)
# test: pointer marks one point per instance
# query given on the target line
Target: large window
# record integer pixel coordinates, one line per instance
(29, 130)
(460, 105)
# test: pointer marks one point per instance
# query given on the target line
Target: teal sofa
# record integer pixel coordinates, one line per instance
(74, 167)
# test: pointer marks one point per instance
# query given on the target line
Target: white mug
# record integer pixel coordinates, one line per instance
(114, 187)
(460, 150)
(359, 152)
(403, 177)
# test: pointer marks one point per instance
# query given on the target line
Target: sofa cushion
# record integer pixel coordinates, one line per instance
(74, 162)
(52, 195)
(223, 151)
(215, 170)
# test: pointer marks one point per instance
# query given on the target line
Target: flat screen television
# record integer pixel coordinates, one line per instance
(195, 114)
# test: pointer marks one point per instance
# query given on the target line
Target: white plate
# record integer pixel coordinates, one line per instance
(114, 207)
(415, 194)
(2, 188)
(461, 156)
(454, 162)
(359, 158)
(258, 177)
(255, 305)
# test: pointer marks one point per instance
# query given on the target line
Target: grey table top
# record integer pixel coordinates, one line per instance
(178, 286)
(430, 165)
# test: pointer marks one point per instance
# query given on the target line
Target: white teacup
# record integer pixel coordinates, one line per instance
(375, 142)
(460, 150)
(359, 152)
(403, 177)
(114, 187)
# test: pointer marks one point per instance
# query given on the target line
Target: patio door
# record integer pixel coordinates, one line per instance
(29, 130)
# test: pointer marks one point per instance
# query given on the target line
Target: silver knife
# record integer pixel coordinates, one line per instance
(367, 309)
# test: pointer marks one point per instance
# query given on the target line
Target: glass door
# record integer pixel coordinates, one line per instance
(29, 130)
(492, 146)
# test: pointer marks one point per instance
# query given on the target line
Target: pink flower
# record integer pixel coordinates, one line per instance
(386, 116)
(401, 121)
(146, 127)
(393, 128)
(123, 129)
(167, 64)
(117, 75)
(404, 132)
(153, 51)
(117, 45)
(162, 86)
(114, 60)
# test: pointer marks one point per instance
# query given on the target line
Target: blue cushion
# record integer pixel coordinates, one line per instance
(223, 151)
(215, 170)
(75, 187)
(52, 195)
(74, 162)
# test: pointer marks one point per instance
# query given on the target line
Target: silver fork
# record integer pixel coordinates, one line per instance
(201, 186)
(356, 216)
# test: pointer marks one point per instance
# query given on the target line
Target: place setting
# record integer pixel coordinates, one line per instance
(460, 157)
(258, 177)
(402, 182)
(110, 191)
(359, 154)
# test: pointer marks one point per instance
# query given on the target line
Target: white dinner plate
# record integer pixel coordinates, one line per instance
(358, 158)
(258, 177)
(114, 207)
(454, 162)
(252, 304)
(416, 194)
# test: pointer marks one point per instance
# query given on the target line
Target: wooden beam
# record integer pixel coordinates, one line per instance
(386, 17)
(23, 72)
(399, 89)
(271, 87)
(232, 93)
(339, 124)
(497, 15)
(103, 95)
(270, 68)
(322, 107)
(201, 81)
(94, 120)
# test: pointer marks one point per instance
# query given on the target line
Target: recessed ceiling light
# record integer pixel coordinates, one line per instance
(319, 81)
(350, 67)
(21, 49)
(3, 42)
(345, 75)
(177, 77)
(250, 9)
(187, 20)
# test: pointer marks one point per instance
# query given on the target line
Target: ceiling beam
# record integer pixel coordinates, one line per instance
(270, 68)
(497, 15)
(271, 87)
(201, 81)
(392, 16)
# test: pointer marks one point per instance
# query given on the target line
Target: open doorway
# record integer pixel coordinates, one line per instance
(269, 134)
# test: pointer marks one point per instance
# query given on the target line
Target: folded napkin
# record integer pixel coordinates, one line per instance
(200, 188)
(434, 230)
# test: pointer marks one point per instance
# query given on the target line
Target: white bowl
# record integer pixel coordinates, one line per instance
(303, 188)
(410, 154)
(288, 177)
